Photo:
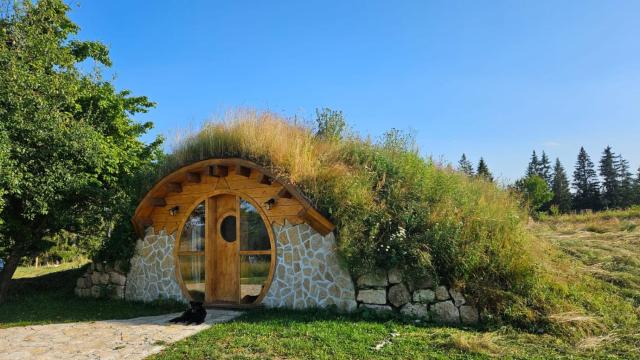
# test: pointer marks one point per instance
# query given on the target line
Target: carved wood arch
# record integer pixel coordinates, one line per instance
(164, 206)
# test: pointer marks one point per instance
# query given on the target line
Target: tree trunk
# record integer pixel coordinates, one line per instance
(7, 274)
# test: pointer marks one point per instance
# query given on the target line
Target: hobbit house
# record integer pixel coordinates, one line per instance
(228, 233)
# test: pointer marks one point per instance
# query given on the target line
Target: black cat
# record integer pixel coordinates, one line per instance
(194, 315)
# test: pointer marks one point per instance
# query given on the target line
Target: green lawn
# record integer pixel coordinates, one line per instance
(45, 295)
(324, 335)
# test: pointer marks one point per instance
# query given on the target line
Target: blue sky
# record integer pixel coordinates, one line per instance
(489, 78)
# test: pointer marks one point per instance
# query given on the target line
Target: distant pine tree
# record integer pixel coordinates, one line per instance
(534, 165)
(636, 189)
(560, 188)
(483, 170)
(585, 182)
(626, 190)
(610, 187)
(465, 166)
(544, 169)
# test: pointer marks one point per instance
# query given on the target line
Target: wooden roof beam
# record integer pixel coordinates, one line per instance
(284, 193)
(264, 179)
(193, 177)
(174, 187)
(318, 222)
(243, 171)
(218, 170)
(157, 202)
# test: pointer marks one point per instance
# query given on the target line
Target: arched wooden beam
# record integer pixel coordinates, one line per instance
(191, 174)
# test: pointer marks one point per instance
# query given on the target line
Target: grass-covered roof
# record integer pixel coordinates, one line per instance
(395, 208)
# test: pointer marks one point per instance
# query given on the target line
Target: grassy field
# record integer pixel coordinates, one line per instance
(604, 248)
(45, 295)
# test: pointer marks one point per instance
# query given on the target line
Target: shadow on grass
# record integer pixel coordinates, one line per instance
(50, 299)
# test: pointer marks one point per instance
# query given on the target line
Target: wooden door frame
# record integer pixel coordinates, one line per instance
(208, 224)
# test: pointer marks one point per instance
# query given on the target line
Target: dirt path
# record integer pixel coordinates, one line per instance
(111, 339)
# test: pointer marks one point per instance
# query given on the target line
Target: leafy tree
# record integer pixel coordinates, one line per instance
(535, 191)
(610, 185)
(69, 144)
(534, 165)
(465, 166)
(560, 188)
(330, 124)
(544, 170)
(483, 171)
(585, 183)
(626, 193)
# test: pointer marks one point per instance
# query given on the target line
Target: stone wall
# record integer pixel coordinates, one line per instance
(153, 274)
(307, 272)
(386, 291)
(102, 280)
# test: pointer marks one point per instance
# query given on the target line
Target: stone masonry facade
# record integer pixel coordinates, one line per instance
(153, 274)
(386, 291)
(102, 280)
(308, 273)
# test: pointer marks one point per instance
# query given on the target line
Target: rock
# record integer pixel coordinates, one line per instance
(399, 295)
(415, 310)
(87, 280)
(116, 278)
(372, 296)
(96, 291)
(104, 278)
(377, 308)
(458, 298)
(424, 296)
(376, 278)
(426, 282)
(442, 293)
(445, 312)
(98, 267)
(80, 283)
(78, 292)
(394, 276)
(117, 292)
(95, 278)
(469, 315)
(118, 266)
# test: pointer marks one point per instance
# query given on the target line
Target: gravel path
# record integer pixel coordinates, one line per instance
(110, 339)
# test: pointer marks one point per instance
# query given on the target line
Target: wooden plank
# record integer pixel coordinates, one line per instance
(192, 177)
(255, 252)
(146, 222)
(157, 202)
(226, 282)
(218, 170)
(243, 171)
(174, 187)
(210, 249)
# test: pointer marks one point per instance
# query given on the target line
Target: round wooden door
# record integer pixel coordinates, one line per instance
(225, 252)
